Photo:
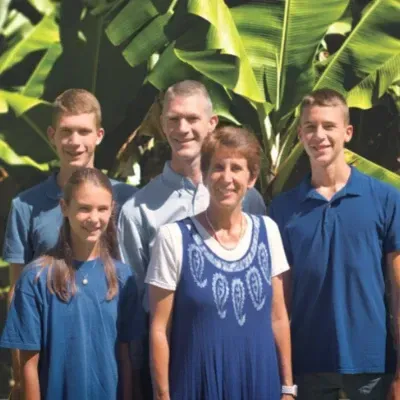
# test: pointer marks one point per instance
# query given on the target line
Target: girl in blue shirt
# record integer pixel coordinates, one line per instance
(76, 308)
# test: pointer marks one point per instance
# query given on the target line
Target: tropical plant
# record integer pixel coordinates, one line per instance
(257, 58)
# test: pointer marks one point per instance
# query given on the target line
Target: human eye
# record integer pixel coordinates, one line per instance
(84, 208)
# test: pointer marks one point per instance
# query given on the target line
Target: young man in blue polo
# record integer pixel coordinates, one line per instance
(35, 216)
(341, 231)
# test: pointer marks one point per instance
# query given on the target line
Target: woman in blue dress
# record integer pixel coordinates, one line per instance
(219, 325)
(76, 308)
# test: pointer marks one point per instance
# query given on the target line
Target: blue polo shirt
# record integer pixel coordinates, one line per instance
(35, 219)
(337, 249)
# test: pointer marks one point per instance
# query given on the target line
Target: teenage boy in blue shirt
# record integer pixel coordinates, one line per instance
(341, 231)
(35, 216)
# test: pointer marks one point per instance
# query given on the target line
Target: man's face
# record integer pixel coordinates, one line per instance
(186, 121)
(324, 132)
(75, 138)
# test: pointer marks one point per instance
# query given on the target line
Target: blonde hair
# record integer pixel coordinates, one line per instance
(325, 98)
(76, 102)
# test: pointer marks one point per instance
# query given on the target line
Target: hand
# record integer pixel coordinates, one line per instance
(394, 392)
(288, 397)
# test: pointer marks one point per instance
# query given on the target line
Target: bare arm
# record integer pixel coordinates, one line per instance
(14, 274)
(30, 375)
(393, 262)
(281, 330)
(161, 303)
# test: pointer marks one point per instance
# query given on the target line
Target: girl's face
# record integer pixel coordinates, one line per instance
(88, 212)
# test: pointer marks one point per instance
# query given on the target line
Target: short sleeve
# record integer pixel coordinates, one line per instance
(17, 248)
(166, 258)
(279, 262)
(23, 325)
(131, 316)
(392, 207)
(131, 242)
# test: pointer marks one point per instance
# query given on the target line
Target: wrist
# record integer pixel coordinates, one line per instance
(290, 390)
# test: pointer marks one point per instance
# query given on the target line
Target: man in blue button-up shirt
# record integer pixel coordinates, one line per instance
(341, 232)
(187, 118)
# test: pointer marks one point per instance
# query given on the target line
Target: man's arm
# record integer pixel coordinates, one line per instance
(132, 243)
(393, 262)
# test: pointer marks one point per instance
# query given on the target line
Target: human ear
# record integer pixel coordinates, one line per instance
(50, 134)
(100, 135)
(213, 122)
(349, 133)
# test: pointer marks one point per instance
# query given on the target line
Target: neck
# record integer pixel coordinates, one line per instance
(84, 251)
(224, 219)
(65, 173)
(188, 168)
(331, 176)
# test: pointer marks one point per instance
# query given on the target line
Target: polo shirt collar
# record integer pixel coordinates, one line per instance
(353, 187)
(175, 180)
(53, 191)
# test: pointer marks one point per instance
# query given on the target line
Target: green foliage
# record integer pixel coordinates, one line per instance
(257, 59)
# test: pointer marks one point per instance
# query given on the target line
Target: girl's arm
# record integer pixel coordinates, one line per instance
(29, 373)
(125, 370)
(281, 330)
(161, 303)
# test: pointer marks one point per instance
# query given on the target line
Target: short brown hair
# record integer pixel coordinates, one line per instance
(325, 98)
(188, 88)
(240, 140)
(76, 102)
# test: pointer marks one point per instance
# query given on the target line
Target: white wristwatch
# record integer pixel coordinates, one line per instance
(292, 390)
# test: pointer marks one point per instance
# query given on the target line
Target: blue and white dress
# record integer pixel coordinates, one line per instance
(222, 345)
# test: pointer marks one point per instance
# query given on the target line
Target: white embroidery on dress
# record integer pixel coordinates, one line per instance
(231, 266)
(255, 286)
(264, 262)
(238, 298)
(196, 264)
(220, 288)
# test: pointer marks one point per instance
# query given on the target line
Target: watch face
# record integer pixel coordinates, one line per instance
(290, 390)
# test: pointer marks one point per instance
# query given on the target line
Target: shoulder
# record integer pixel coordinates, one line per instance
(35, 195)
(284, 203)
(122, 191)
(169, 232)
(253, 202)
(33, 274)
(124, 271)
(383, 192)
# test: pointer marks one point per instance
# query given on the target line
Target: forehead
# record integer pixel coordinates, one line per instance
(90, 193)
(85, 120)
(334, 113)
(228, 154)
(192, 104)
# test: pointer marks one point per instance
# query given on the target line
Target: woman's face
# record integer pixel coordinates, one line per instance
(88, 212)
(228, 178)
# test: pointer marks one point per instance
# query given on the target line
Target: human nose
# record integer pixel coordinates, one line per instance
(183, 125)
(73, 138)
(94, 216)
(227, 175)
